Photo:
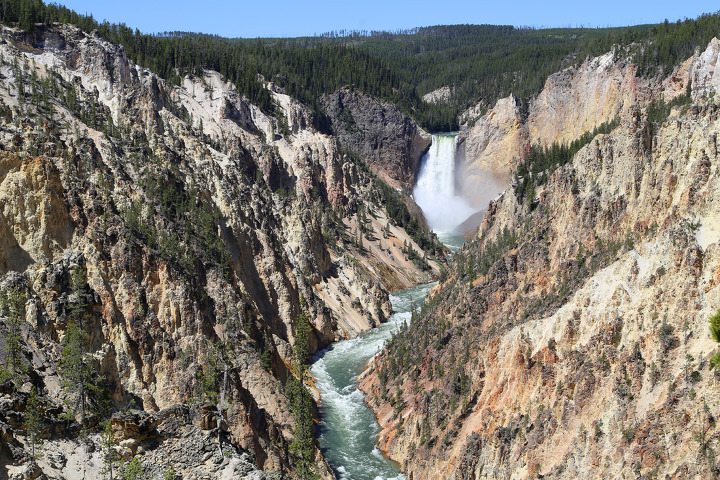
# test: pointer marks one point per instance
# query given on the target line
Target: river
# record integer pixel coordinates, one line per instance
(348, 429)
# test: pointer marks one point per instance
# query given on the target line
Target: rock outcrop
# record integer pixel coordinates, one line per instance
(440, 95)
(487, 153)
(570, 338)
(391, 143)
(196, 224)
(572, 102)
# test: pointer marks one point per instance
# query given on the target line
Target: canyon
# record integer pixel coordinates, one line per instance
(205, 246)
(201, 228)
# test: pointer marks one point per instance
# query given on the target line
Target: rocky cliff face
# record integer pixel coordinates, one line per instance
(572, 102)
(487, 153)
(392, 143)
(440, 95)
(570, 338)
(197, 223)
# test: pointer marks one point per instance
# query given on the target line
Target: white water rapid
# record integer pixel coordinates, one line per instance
(435, 188)
(348, 429)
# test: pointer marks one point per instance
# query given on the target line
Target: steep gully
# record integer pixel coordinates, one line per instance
(348, 430)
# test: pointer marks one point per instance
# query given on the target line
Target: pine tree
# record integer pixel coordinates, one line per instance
(530, 193)
(715, 334)
(27, 16)
(715, 326)
(34, 420)
(76, 367)
(208, 376)
(302, 445)
(110, 456)
(80, 380)
(12, 307)
(132, 470)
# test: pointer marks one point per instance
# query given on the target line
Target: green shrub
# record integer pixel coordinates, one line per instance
(715, 326)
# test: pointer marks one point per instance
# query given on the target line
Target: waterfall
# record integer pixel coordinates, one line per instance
(435, 188)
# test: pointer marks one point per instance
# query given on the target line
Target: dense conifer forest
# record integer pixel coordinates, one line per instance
(480, 63)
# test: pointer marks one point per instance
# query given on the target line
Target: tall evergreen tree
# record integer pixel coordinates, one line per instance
(77, 368)
(715, 334)
(301, 403)
(111, 459)
(12, 307)
(34, 420)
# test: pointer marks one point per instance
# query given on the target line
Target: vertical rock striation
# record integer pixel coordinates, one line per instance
(198, 223)
(570, 338)
(377, 131)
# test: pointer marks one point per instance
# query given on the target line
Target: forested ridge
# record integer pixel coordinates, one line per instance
(480, 63)
(487, 62)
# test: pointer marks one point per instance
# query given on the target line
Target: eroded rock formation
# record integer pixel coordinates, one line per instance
(197, 223)
(376, 130)
(572, 102)
(570, 338)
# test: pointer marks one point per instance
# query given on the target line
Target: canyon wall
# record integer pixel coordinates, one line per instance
(391, 143)
(572, 102)
(570, 338)
(201, 228)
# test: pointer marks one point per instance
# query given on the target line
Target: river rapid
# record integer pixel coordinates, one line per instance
(348, 429)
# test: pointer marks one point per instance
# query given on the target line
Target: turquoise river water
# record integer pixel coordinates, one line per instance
(348, 429)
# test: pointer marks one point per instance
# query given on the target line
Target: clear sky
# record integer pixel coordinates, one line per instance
(282, 18)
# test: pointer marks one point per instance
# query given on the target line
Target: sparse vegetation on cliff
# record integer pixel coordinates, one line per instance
(176, 221)
(480, 62)
(12, 307)
(659, 109)
(301, 403)
(398, 212)
(539, 163)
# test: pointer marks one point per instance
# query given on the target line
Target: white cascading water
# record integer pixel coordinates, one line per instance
(435, 188)
(348, 429)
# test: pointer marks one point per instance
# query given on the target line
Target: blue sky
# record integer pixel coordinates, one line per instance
(265, 18)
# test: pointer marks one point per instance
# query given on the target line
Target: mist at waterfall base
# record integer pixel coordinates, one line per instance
(348, 429)
(435, 189)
